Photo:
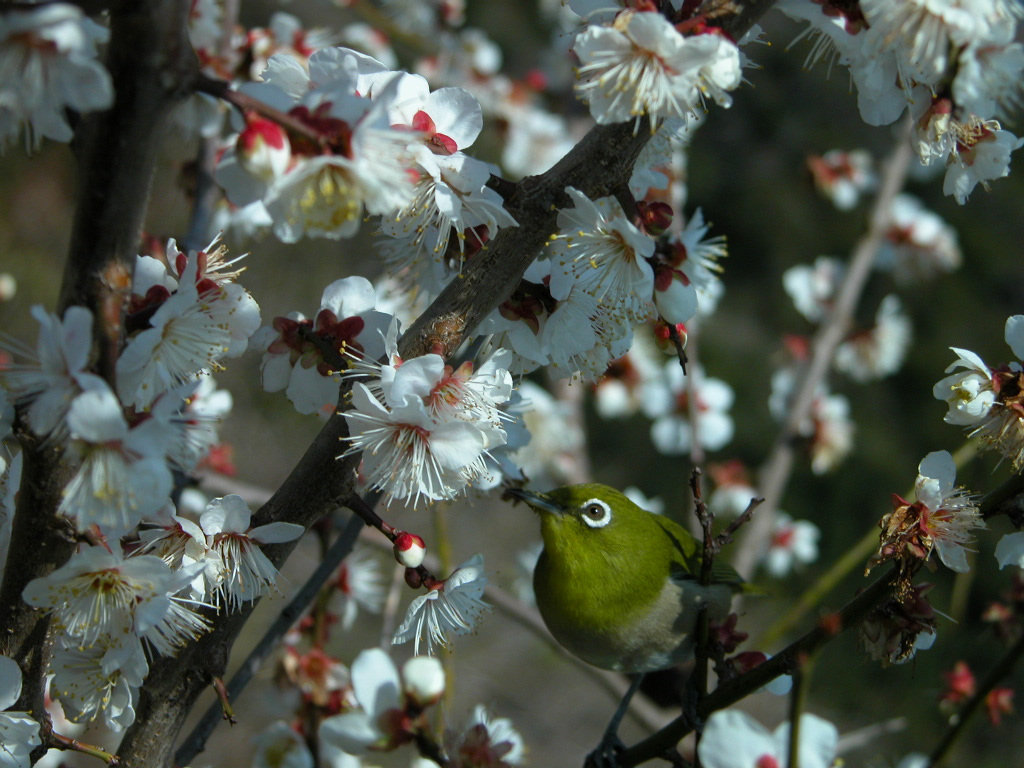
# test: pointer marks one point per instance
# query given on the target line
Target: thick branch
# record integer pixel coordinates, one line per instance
(149, 57)
(321, 483)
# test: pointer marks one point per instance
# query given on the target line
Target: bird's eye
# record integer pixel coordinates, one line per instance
(596, 513)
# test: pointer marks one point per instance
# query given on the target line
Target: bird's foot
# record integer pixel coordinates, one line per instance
(607, 753)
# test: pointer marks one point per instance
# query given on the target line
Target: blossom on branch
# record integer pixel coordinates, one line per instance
(49, 64)
(57, 373)
(941, 520)
(641, 64)
(425, 429)
(304, 357)
(184, 321)
(454, 606)
(989, 401)
(733, 739)
(241, 572)
(19, 731)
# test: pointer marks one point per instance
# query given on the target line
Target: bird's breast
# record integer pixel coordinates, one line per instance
(626, 627)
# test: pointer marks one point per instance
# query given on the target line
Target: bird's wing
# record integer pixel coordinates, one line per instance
(686, 560)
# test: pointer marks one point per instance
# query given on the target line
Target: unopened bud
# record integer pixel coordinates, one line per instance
(655, 217)
(674, 295)
(424, 680)
(263, 149)
(410, 549)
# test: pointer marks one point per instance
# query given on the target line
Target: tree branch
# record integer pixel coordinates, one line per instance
(321, 483)
(775, 473)
(149, 58)
(785, 662)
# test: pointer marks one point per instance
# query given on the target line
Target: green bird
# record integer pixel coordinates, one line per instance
(618, 585)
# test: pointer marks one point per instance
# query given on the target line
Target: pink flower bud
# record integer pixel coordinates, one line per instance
(424, 680)
(409, 549)
(263, 149)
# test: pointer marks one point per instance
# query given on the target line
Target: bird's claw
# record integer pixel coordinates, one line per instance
(607, 753)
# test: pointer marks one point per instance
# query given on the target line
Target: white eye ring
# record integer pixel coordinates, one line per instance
(595, 513)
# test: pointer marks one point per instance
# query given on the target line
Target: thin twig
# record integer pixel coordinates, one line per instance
(853, 558)
(59, 741)
(785, 662)
(775, 473)
(997, 673)
(195, 742)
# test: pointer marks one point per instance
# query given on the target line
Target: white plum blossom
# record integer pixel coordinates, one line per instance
(987, 400)
(620, 391)
(102, 679)
(98, 594)
(948, 514)
(360, 584)
(733, 739)
(554, 438)
(843, 176)
(454, 606)
(380, 693)
(48, 64)
(452, 199)
(193, 414)
(696, 256)
(485, 741)
(243, 572)
(918, 244)
(600, 251)
(305, 357)
(982, 154)
(828, 424)
(667, 401)
(359, 164)
(207, 317)
(425, 430)
(19, 731)
(878, 351)
(57, 373)
(641, 65)
(793, 543)
(968, 393)
(123, 475)
(814, 288)
(180, 543)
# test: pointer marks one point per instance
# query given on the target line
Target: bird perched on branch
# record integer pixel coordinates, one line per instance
(619, 586)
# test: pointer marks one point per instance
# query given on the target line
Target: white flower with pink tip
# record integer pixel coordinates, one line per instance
(304, 357)
(57, 371)
(123, 475)
(453, 606)
(244, 573)
(383, 696)
(48, 57)
(733, 739)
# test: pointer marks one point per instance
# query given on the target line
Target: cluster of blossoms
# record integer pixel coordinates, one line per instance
(954, 64)
(600, 276)
(940, 520)
(652, 62)
(116, 605)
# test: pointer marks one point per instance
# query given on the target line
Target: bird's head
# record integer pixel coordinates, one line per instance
(588, 517)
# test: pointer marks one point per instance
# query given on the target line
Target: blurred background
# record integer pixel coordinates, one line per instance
(747, 171)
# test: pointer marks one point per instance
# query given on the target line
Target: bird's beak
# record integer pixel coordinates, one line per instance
(538, 501)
